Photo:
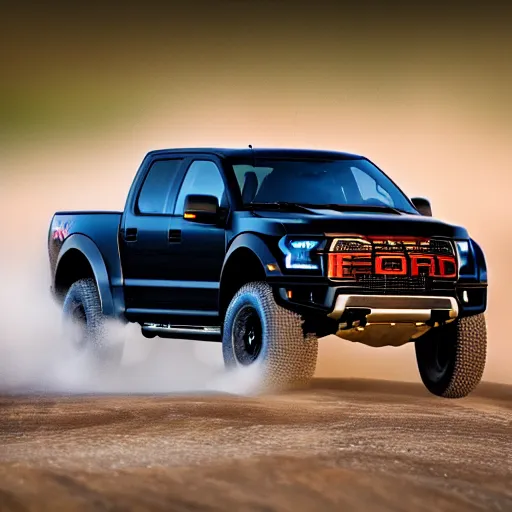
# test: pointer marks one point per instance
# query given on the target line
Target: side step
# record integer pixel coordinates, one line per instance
(182, 332)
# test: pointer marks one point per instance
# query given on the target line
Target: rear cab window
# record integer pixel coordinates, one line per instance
(157, 188)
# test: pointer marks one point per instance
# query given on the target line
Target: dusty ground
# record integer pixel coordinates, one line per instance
(341, 445)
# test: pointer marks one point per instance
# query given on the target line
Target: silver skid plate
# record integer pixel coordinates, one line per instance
(390, 320)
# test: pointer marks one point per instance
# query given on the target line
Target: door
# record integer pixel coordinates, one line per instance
(146, 241)
(199, 255)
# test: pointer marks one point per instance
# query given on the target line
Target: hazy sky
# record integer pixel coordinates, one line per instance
(65, 67)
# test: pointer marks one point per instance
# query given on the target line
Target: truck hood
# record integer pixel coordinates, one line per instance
(361, 223)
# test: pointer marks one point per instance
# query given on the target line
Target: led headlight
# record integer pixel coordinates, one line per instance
(463, 255)
(300, 254)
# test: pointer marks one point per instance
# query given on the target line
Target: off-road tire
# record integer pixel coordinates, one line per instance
(83, 295)
(464, 343)
(287, 358)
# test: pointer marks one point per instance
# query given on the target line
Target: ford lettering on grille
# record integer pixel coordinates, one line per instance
(352, 257)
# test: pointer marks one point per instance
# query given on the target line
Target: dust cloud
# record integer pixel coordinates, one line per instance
(443, 155)
(37, 355)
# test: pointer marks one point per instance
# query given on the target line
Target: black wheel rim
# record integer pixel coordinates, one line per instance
(439, 352)
(247, 335)
(442, 357)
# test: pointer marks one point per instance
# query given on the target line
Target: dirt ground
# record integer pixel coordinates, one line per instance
(340, 445)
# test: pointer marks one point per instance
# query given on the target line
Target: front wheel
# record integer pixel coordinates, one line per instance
(257, 331)
(451, 358)
(82, 308)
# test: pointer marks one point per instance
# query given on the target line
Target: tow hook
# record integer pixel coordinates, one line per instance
(354, 318)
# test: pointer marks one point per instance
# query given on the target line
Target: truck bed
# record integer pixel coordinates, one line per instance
(101, 227)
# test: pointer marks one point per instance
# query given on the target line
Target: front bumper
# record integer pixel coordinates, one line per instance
(326, 306)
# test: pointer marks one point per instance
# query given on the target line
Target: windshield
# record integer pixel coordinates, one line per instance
(318, 182)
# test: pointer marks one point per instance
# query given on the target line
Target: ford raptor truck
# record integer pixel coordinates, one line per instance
(265, 251)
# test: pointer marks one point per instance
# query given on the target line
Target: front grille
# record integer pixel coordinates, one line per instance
(387, 262)
(393, 284)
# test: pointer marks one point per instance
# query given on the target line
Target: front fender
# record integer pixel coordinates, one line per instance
(260, 249)
(93, 255)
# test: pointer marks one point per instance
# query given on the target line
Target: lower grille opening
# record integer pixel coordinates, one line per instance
(393, 284)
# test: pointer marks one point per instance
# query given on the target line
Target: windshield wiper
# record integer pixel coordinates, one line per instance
(280, 205)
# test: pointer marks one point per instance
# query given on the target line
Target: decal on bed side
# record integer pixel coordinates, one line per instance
(61, 231)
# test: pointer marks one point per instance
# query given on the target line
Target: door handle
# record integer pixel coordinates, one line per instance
(174, 236)
(130, 234)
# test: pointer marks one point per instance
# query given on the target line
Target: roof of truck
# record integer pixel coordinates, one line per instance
(261, 153)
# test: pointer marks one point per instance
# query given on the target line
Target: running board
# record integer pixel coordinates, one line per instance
(182, 332)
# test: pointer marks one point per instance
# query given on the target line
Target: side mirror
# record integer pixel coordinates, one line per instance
(422, 205)
(200, 208)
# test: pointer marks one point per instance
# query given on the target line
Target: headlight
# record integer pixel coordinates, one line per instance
(301, 254)
(463, 256)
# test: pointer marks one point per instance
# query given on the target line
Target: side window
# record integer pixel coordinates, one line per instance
(203, 177)
(369, 188)
(155, 189)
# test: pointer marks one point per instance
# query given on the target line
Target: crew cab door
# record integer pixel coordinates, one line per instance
(199, 253)
(144, 240)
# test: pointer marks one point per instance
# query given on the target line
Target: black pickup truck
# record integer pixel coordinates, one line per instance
(266, 250)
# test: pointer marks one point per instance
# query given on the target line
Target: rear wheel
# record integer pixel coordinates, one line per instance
(257, 331)
(82, 308)
(451, 358)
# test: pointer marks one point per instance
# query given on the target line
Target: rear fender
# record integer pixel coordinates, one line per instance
(93, 255)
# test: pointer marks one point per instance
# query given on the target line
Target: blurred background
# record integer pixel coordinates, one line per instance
(422, 89)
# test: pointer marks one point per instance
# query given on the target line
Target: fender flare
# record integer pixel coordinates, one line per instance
(480, 262)
(93, 255)
(259, 248)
